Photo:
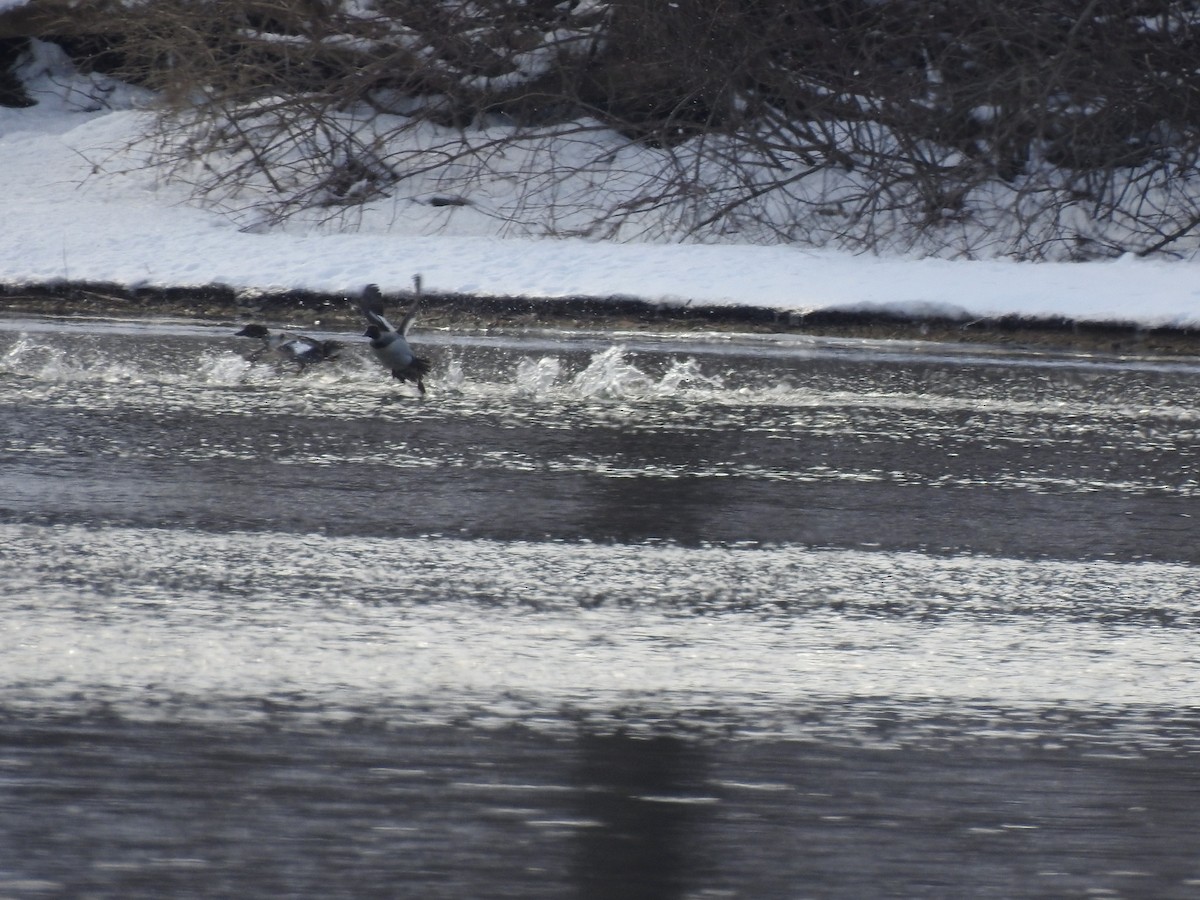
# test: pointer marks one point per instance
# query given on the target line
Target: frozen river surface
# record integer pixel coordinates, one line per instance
(646, 617)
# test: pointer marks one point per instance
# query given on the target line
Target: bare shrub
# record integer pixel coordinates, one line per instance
(1063, 129)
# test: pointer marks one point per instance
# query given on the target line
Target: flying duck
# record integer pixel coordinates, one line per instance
(299, 349)
(389, 344)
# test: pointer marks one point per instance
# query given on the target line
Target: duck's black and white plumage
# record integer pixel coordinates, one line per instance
(297, 348)
(390, 344)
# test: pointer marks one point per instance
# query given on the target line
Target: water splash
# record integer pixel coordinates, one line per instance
(685, 374)
(454, 377)
(89, 362)
(610, 375)
(226, 369)
(491, 374)
(30, 358)
(607, 375)
(536, 377)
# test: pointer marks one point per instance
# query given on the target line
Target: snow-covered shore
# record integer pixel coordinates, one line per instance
(77, 208)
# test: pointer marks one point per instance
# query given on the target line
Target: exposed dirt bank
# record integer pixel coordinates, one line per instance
(336, 312)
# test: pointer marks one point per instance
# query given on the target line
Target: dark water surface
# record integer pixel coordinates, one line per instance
(683, 617)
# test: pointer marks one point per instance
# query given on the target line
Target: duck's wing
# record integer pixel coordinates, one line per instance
(303, 347)
(370, 302)
(407, 321)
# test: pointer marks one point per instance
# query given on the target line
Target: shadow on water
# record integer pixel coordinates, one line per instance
(641, 795)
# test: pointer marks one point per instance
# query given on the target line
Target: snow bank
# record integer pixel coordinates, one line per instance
(77, 204)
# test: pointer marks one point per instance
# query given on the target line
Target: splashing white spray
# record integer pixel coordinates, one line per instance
(536, 377)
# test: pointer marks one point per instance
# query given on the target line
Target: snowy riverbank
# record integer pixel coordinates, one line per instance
(79, 210)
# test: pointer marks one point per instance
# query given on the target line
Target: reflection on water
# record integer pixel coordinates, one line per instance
(769, 641)
(105, 807)
(683, 618)
(638, 799)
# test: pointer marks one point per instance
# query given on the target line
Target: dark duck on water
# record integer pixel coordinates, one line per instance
(390, 344)
(299, 349)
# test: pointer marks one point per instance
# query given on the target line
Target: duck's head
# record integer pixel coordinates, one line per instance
(373, 332)
(253, 331)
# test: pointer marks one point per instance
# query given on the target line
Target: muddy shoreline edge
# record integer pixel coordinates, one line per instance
(307, 309)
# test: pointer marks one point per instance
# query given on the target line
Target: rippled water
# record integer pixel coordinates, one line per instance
(688, 616)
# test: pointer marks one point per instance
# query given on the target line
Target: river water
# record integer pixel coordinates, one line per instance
(604, 616)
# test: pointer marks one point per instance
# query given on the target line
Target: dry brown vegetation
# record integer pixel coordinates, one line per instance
(1064, 129)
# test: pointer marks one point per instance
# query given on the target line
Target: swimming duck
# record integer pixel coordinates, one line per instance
(299, 349)
(390, 344)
